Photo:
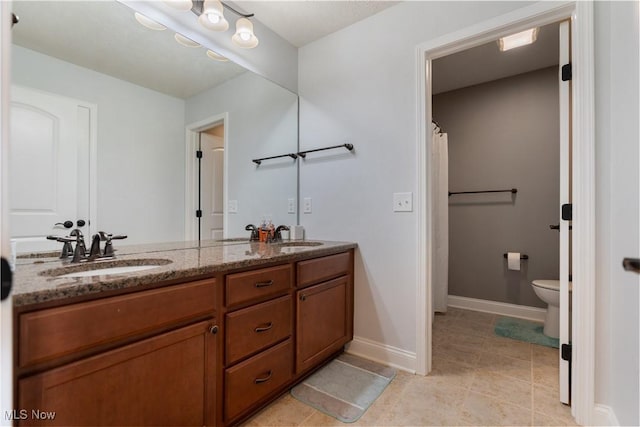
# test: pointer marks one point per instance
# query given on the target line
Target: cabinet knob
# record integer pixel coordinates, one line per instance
(213, 329)
(303, 297)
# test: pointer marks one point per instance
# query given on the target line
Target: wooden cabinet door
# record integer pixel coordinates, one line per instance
(165, 380)
(323, 327)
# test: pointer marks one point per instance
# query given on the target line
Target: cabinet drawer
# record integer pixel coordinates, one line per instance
(56, 332)
(249, 381)
(321, 269)
(255, 328)
(257, 285)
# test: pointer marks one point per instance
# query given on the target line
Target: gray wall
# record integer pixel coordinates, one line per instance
(502, 134)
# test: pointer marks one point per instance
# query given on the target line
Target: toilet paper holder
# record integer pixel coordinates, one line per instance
(522, 256)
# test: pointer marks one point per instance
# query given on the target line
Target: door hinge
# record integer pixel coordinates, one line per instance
(198, 213)
(567, 212)
(199, 154)
(567, 72)
(566, 352)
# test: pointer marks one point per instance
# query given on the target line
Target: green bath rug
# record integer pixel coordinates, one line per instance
(524, 330)
(345, 387)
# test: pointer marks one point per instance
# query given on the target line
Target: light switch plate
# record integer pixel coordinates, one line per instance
(232, 207)
(307, 205)
(403, 202)
(291, 206)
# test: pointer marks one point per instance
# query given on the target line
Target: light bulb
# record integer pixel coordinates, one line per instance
(244, 36)
(213, 18)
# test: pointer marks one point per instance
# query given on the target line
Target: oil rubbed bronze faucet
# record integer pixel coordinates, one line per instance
(80, 251)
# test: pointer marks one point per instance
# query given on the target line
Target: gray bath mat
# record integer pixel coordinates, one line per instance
(345, 387)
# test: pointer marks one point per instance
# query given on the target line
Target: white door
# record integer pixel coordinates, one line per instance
(565, 199)
(49, 166)
(211, 186)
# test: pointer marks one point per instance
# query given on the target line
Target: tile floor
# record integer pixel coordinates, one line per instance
(477, 379)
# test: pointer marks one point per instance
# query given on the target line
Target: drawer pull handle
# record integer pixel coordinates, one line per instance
(264, 328)
(263, 379)
(303, 297)
(264, 284)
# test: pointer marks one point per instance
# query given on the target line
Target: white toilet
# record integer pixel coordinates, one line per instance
(549, 292)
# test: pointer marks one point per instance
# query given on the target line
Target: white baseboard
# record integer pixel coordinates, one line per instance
(604, 416)
(505, 309)
(382, 353)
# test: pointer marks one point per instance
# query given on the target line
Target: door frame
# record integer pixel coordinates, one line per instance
(583, 174)
(191, 169)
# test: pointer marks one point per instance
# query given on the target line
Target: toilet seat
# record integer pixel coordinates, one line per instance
(552, 285)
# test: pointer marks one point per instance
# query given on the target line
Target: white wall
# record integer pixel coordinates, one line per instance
(618, 208)
(262, 123)
(359, 84)
(140, 146)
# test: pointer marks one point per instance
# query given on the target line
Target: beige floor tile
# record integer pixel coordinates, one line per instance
(320, 419)
(464, 355)
(443, 321)
(387, 400)
(426, 404)
(546, 376)
(286, 411)
(471, 328)
(447, 372)
(540, 419)
(477, 317)
(507, 347)
(504, 365)
(461, 339)
(503, 388)
(453, 311)
(543, 355)
(547, 401)
(479, 409)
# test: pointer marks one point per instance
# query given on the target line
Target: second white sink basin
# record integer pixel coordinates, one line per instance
(110, 270)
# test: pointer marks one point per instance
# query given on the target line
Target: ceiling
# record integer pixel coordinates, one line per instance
(486, 63)
(302, 22)
(104, 36)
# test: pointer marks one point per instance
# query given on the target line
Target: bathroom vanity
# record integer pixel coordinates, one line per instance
(206, 339)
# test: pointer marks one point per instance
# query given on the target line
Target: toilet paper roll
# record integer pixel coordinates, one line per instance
(513, 261)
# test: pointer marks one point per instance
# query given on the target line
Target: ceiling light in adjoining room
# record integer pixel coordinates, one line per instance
(149, 23)
(519, 39)
(184, 5)
(216, 56)
(244, 36)
(185, 41)
(212, 16)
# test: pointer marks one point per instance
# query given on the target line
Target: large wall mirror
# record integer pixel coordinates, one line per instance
(107, 117)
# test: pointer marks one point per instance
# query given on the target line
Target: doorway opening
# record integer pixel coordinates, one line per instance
(206, 179)
(582, 186)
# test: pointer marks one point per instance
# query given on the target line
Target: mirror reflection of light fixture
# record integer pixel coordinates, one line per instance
(149, 23)
(216, 56)
(519, 39)
(183, 5)
(244, 36)
(185, 41)
(212, 16)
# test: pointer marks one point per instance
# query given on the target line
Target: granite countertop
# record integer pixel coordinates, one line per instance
(36, 278)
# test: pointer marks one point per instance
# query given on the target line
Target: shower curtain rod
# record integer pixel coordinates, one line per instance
(513, 191)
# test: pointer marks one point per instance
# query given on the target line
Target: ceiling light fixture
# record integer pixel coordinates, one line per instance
(185, 41)
(519, 39)
(149, 23)
(212, 16)
(216, 56)
(244, 36)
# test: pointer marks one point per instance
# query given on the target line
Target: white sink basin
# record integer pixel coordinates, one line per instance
(110, 270)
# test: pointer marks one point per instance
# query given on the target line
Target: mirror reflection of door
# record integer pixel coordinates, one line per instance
(211, 183)
(49, 150)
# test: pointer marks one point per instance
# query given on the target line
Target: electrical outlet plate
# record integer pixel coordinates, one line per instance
(403, 202)
(307, 205)
(291, 206)
(232, 207)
